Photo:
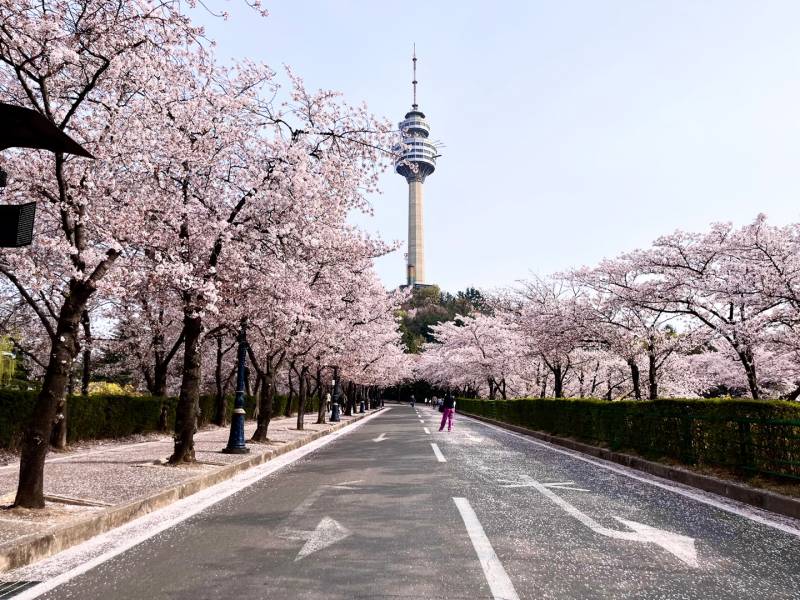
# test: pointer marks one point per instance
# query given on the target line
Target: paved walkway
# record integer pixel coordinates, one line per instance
(110, 474)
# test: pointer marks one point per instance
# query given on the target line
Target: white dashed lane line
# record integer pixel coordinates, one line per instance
(496, 576)
(439, 456)
(428, 431)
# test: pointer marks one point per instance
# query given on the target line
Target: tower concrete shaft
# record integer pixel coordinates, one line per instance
(416, 239)
(416, 159)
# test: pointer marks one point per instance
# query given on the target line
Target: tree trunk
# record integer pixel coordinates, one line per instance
(793, 395)
(558, 381)
(748, 362)
(35, 440)
(637, 391)
(87, 357)
(322, 408)
(347, 406)
(594, 380)
(159, 387)
(301, 397)
(492, 391)
(189, 398)
(287, 412)
(58, 437)
(652, 372)
(219, 399)
(265, 400)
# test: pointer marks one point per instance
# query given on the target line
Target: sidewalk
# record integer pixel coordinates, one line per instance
(91, 491)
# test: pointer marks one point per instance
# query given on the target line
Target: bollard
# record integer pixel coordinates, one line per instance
(361, 407)
(335, 418)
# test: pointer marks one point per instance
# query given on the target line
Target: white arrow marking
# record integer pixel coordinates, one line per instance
(327, 533)
(680, 546)
(346, 485)
(380, 438)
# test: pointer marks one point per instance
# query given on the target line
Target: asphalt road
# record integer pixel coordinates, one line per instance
(377, 514)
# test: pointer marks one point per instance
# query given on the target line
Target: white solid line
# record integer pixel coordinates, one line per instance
(156, 522)
(439, 456)
(496, 576)
(428, 431)
(722, 505)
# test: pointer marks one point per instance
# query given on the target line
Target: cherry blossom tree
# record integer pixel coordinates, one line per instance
(86, 66)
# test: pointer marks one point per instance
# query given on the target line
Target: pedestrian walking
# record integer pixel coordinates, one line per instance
(434, 403)
(449, 406)
(328, 401)
(413, 400)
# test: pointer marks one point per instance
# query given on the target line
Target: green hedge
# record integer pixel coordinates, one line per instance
(101, 416)
(747, 435)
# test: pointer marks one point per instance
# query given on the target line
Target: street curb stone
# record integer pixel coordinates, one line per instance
(771, 501)
(28, 549)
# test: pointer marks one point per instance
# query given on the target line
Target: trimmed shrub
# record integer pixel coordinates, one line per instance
(751, 436)
(108, 416)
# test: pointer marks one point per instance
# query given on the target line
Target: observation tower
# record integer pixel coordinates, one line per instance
(415, 161)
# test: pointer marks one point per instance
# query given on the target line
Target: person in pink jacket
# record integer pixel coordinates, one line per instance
(449, 409)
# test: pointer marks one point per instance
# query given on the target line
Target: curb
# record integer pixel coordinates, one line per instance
(766, 500)
(31, 548)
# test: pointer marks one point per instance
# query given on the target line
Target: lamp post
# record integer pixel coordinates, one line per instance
(236, 443)
(337, 393)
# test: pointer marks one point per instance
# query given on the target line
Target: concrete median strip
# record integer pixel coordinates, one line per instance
(28, 549)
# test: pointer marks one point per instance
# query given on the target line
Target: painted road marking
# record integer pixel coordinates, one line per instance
(421, 421)
(439, 456)
(680, 546)
(496, 576)
(380, 438)
(327, 533)
(121, 539)
(739, 510)
(561, 485)
(428, 431)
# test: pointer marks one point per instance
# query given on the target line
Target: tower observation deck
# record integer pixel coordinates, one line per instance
(416, 159)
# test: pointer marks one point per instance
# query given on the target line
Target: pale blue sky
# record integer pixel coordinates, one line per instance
(574, 130)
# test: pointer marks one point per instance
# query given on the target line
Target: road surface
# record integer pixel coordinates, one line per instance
(396, 509)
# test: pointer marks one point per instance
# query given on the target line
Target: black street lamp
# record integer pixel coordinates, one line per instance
(236, 443)
(26, 128)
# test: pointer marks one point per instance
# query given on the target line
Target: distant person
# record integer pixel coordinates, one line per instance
(328, 401)
(449, 406)
(434, 402)
(413, 399)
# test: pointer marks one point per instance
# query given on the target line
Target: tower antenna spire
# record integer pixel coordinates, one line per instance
(414, 80)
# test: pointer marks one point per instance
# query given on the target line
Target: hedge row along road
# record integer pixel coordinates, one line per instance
(108, 416)
(397, 509)
(752, 437)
